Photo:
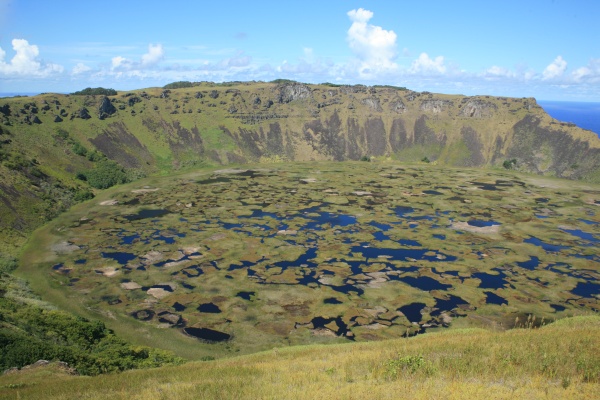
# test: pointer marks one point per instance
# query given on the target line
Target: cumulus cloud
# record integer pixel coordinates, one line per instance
(426, 65)
(590, 72)
(25, 62)
(148, 60)
(80, 68)
(154, 55)
(556, 69)
(374, 46)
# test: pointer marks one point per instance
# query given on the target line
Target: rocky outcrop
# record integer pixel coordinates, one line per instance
(82, 113)
(106, 108)
(397, 106)
(289, 92)
(477, 108)
(435, 106)
(373, 103)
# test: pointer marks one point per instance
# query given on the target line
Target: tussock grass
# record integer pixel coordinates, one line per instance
(560, 360)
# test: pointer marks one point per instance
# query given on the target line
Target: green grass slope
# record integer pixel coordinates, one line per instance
(560, 360)
(48, 140)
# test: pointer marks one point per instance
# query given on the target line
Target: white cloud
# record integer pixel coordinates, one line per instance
(155, 54)
(589, 73)
(80, 68)
(25, 61)
(556, 69)
(426, 65)
(374, 47)
(148, 60)
(498, 72)
(239, 60)
(120, 62)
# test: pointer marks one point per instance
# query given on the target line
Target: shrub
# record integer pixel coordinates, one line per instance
(79, 149)
(95, 91)
(7, 263)
(510, 164)
(178, 85)
(408, 365)
(105, 174)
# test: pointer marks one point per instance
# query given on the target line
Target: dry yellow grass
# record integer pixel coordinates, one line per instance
(558, 361)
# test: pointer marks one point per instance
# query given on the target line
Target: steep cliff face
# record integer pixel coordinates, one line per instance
(156, 128)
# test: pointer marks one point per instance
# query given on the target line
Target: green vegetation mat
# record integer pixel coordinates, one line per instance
(217, 262)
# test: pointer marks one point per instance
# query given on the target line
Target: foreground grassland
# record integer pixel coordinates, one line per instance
(216, 263)
(557, 361)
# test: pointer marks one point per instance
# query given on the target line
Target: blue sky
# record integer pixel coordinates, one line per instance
(548, 49)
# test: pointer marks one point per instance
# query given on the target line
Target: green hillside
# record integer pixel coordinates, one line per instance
(290, 240)
(48, 140)
(560, 360)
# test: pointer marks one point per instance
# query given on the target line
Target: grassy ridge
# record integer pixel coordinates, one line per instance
(561, 360)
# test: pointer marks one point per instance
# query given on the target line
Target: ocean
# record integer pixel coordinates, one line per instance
(584, 115)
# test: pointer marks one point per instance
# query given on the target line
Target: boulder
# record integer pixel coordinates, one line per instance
(106, 108)
(83, 114)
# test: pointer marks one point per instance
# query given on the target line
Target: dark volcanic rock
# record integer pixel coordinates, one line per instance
(133, 100)
(106, 108)
(83, 114)
(5, 110)
(292, 91)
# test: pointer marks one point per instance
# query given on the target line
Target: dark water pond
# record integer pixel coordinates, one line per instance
(332, 300)
(558, 307)
(178, 306)
(489, 281)
(493, 298)
(143, 214)
(582, 235)
(320, 323)
(120, 257)
(422, 282)
(549, 248)
(193, 271)
(207, 335)
(530, 264)
(246, 295)
(481, 223)
(586, 289)
(448, 304)
(412, 311)
(485, 186)
(210, 308)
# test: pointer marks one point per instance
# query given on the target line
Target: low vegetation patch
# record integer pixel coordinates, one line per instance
(560, 360)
